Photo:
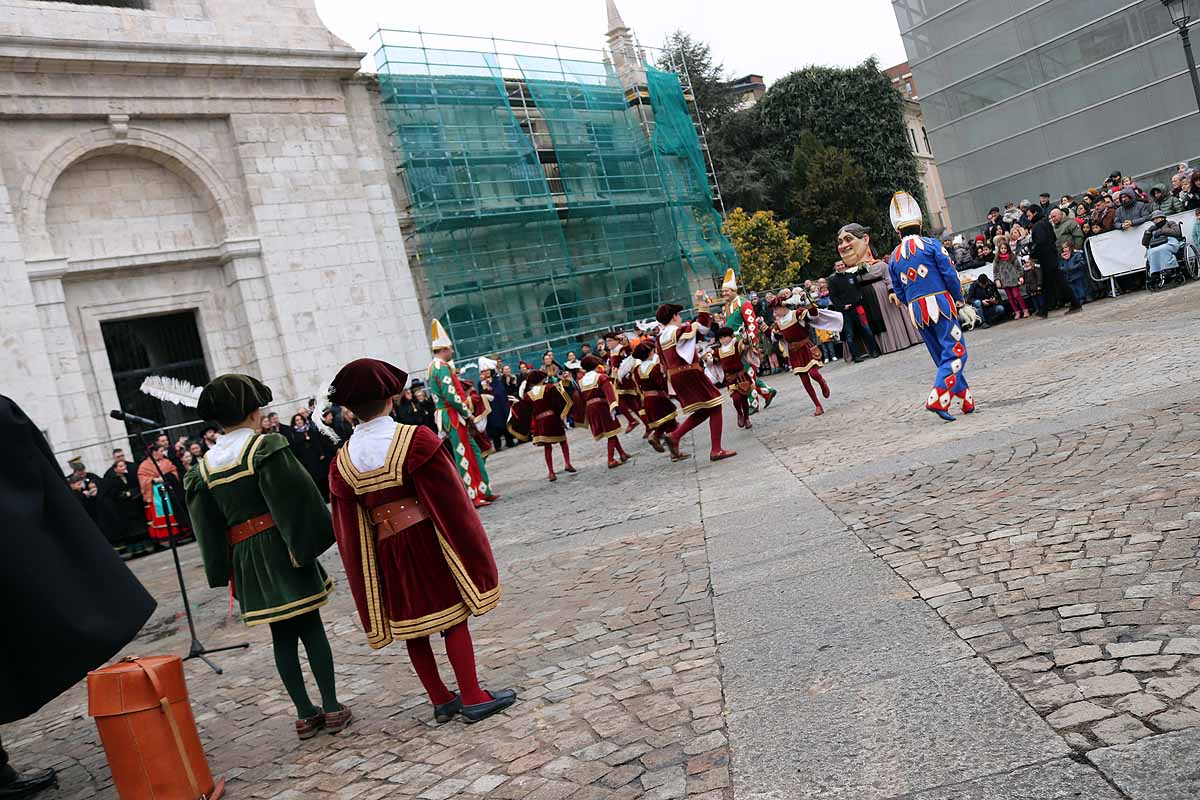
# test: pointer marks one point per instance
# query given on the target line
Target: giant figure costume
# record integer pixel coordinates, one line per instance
(455, 419)
(925, 281)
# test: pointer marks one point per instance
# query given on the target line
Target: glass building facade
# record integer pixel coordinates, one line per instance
(1028, 96)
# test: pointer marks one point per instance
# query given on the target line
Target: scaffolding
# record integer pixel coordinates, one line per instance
(546, 201)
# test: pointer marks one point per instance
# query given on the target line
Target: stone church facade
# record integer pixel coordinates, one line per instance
(217, 158)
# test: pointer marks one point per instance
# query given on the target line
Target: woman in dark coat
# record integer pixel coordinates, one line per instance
(313, 450)
(122, 512)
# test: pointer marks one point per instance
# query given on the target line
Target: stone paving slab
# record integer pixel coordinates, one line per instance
(833, 648)
(920, 730)
(1061, 779)
(1161, 768)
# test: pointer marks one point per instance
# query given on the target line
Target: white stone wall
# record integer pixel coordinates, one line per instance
(212, 156)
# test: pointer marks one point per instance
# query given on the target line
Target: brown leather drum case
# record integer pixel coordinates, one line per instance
(145, 721)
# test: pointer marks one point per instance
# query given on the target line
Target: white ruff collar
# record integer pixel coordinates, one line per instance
(228, 448)
(370, 442)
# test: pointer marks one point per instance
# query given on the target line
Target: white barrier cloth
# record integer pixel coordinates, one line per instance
(1121, 252)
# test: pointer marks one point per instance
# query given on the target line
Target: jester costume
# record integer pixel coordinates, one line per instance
(925, 281)
(455, 419)
(417, 558)
(740, 316)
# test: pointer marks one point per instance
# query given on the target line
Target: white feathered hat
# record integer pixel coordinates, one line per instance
(486, 363)
(730, 281)
(438, 338)
(904, 210)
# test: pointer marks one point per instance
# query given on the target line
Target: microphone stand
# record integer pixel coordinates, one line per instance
(196, 650)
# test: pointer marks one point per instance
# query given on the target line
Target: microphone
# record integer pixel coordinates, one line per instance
(127, 417)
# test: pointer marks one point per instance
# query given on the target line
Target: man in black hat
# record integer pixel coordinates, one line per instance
(69, 602)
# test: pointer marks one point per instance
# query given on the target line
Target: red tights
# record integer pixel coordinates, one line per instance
(462, 660)
(549, 451)
(715, 423)
(741, 404)
(814, 374)
(614, 447)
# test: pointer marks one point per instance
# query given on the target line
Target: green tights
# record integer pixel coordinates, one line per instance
(286, 636)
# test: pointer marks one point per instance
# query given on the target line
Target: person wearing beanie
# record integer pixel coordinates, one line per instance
(455, 418)
(792, 325)
(600, 406)
(699, 398)
(544, 408)
(736, 379)
(417, 558)
(925, 281)
(651, 382)
(261, 523)
(620, 361)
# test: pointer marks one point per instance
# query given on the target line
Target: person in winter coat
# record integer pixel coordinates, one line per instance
(313, 450)
(1103, 216)
(1044, 250)
(1132, 212)
(986, 299)
(1074, 267)
(1066, 229)
(1162, 239)
(1008, 272)
(1163, 202)
(1191, 191)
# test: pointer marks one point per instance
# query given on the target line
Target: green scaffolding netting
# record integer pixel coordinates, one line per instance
(541, 210)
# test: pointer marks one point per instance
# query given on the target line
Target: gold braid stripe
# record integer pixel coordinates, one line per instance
(479, 602)
(431, 623)
(243, 466)
(378, 634)
(386, 476)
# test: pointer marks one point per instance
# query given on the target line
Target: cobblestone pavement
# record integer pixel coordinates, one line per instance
(870, 604)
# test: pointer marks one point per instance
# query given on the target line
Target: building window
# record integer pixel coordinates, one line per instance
(925, 136)
(912, 137)
(110, 3)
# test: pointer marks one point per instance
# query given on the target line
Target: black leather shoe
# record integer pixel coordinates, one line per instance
(446, 711)
(28, 785)
(481, 711)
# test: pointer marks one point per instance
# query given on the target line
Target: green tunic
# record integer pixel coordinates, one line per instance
(275, 573)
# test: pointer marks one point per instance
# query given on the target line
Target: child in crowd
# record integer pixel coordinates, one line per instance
(828, 340)
(1009, 277)
(1074, 267)
(1033, 282)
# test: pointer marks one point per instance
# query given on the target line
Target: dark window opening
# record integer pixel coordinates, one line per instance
(167, 345)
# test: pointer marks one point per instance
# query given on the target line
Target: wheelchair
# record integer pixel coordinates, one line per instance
(1187, 267)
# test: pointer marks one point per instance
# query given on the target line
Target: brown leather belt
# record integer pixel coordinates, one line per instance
(251, 527)
(397, 516)
(654, 393)
(688, 368)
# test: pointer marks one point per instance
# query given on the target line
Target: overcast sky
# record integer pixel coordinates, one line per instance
(768, 37)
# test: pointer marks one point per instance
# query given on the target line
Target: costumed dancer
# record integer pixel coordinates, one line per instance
(924, 280)
(620, 362)
(455, 418)
(792, 324)
(697, 395)
(481, 407)
(600, 407)
(546, 406)
(739, 315)
(658, 407)
(729, 358)
(889, 322)
(260, 522)
(417, 558)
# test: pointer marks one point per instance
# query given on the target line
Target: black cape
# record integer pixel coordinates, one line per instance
(69, 602)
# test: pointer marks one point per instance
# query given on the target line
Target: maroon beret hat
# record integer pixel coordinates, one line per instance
(366, 380)
(590, 363)
(534, 377)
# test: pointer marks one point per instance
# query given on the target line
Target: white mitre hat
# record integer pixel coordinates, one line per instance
(904, 210)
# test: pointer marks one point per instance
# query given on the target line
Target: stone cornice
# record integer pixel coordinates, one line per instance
(30, 53)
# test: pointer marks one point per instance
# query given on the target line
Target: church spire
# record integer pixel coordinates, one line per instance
(615, 23)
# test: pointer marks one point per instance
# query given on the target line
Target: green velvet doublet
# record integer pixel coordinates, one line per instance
(275, 573)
